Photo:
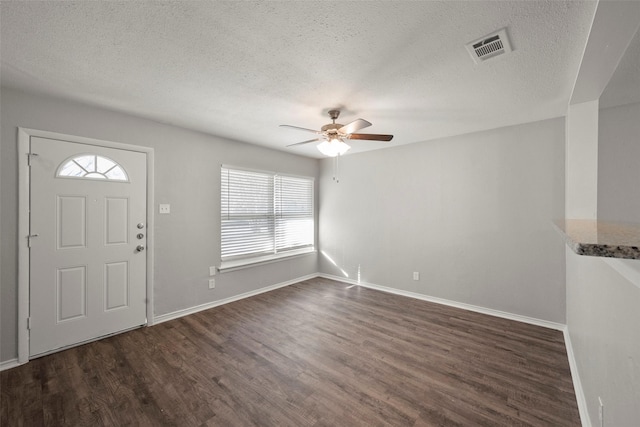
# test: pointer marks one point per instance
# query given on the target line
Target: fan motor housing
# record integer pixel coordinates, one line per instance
(330, 127)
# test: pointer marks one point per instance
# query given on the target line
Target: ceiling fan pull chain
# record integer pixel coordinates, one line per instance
(335, 167)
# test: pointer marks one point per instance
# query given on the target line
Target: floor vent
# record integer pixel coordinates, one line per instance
(489, 46)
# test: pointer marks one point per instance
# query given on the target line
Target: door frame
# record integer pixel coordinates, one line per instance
(24, 194)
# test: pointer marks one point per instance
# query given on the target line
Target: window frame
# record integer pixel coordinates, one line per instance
(247, 260)
(103, 178)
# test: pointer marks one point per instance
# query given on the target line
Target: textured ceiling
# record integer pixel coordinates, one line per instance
(239, 69)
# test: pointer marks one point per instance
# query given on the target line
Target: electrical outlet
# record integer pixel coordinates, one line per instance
(212, 283)
(416, 275)
(212, 271)
(164, 209)
(601, 411)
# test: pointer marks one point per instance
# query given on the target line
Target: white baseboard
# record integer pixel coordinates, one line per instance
(470, 307)
(577, 384)
(8, 364)
(191, 310)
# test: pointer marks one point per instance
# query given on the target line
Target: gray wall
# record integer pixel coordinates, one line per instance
(603, 318)
(471, 213)
(619, 163)
(187, 175)
(603, 305)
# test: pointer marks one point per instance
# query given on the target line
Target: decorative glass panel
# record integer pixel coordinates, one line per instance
(92, 166)
(87, 163)
(104, 164)
(116, 173)
(94, 175)
(71, 169)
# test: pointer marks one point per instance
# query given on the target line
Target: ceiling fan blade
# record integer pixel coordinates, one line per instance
(354, 126)
(371, 137)
(305, 142)
(299, 128)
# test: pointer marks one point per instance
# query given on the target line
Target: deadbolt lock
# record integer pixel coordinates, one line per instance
(140, 236)
(140, 225)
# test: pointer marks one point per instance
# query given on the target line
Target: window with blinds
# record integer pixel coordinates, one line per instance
(264, 213)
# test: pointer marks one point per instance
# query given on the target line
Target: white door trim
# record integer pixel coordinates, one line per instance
(24, 136)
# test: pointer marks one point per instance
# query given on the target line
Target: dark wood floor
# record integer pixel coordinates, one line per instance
(317, 353)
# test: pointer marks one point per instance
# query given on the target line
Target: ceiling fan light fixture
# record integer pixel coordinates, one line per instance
(334, 147)
(333, 135)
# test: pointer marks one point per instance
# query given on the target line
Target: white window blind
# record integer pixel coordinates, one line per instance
(264, 213)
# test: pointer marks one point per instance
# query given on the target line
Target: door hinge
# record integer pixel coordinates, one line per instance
(29, 237)
(30, 156)
(29, 323)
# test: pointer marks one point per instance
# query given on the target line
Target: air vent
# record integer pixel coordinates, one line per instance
(489, 46)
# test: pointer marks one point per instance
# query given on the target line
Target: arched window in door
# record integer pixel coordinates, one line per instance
(92, 166)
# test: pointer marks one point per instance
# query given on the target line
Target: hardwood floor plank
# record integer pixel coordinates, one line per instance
(316, 353)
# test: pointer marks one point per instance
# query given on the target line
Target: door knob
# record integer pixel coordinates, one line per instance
(140, 248)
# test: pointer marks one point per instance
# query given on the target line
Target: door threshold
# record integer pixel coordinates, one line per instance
(78, 344)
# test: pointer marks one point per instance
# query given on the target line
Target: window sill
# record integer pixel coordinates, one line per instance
(226, 266)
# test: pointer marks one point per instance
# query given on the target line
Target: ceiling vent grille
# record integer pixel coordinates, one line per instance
(489, 46)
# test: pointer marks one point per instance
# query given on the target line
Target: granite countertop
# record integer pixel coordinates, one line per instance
(601, 238)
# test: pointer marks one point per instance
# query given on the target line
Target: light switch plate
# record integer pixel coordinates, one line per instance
(164, 209)
(212, 271)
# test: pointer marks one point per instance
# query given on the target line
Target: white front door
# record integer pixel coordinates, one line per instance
(88, 226)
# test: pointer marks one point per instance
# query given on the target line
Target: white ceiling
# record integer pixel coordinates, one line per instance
(239, 69)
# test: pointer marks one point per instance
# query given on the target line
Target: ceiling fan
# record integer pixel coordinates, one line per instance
(333, 135)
